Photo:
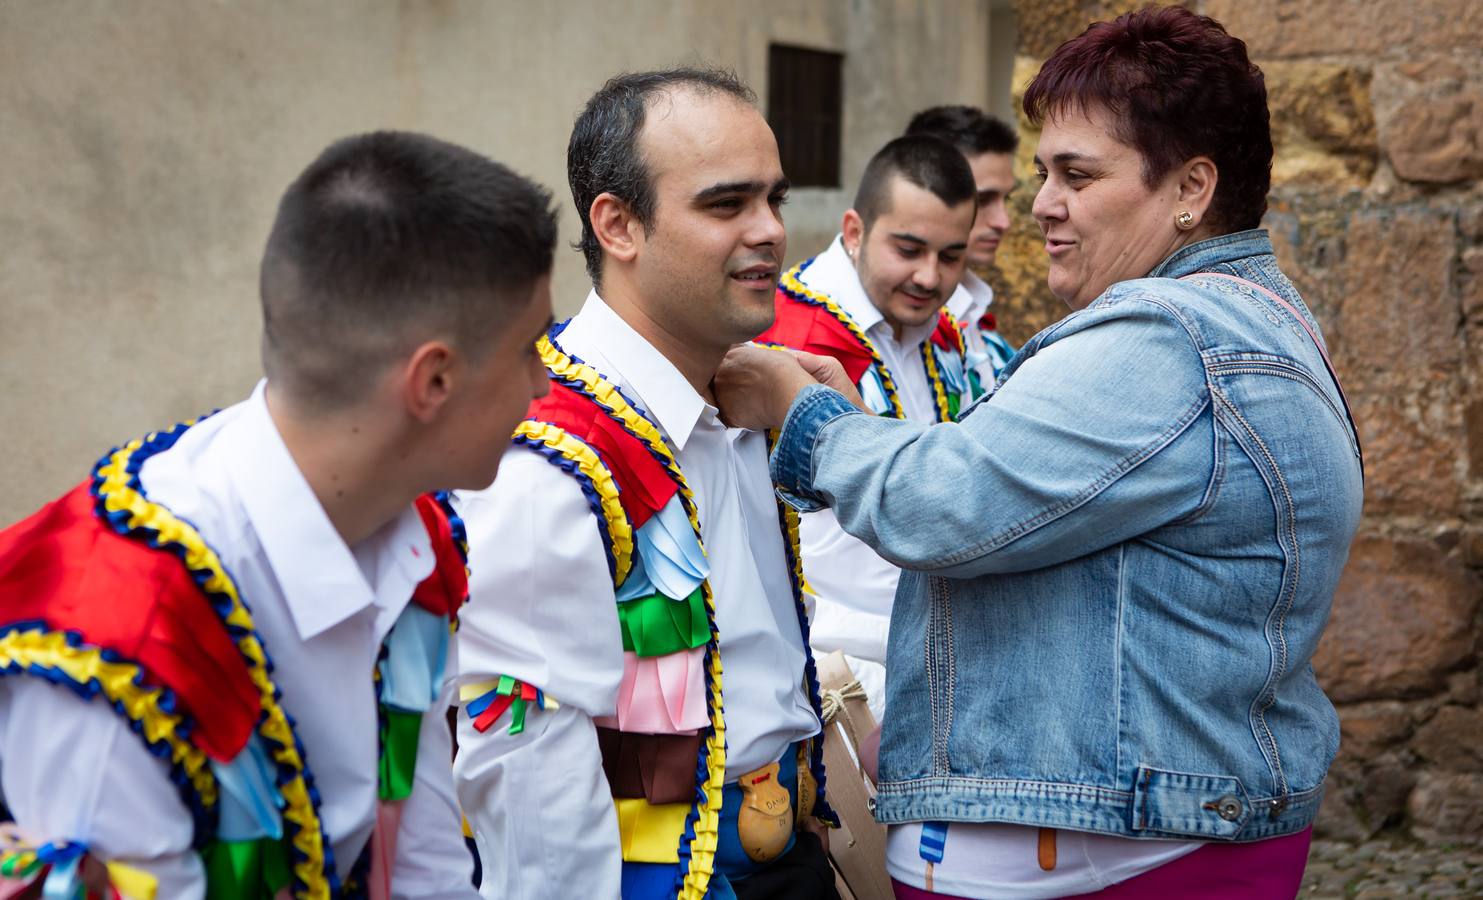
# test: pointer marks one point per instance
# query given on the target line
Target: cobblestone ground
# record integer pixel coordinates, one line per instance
(1391, 868)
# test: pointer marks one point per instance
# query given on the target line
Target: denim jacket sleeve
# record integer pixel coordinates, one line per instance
(1102, 432)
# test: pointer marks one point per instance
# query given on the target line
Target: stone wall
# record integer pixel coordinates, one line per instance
(1377, 214)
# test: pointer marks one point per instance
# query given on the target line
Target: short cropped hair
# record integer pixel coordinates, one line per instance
(971, 130)
(387, 240)
(927, 162)
(603, 154)
(1177, 86)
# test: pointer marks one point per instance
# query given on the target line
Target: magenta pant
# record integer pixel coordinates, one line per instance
(1262, 870)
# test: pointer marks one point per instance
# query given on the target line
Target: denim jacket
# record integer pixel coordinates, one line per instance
(1120, 563)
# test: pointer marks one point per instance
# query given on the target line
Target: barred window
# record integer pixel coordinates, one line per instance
(805, 107)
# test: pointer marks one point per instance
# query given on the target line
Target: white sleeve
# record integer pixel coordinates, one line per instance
(541, 609)
(540, 807)
(72, 770)
(432, 861)
(855, 589)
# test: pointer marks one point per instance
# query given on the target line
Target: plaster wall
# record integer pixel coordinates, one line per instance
(144, 146)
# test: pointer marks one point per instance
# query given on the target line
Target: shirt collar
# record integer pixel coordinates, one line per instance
(647, 374)
(323, 581)
(833, 273)
(972, 298)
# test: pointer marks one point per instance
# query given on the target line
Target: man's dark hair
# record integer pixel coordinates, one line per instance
(927, 162)
(971, 130)
(385, 241)
(603, 154)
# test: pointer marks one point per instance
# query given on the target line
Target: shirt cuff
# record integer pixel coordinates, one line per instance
(793, 456)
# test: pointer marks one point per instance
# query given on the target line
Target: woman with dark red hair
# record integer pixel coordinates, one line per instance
(1121, 562)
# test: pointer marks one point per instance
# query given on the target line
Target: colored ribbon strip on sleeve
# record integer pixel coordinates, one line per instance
(488, 700)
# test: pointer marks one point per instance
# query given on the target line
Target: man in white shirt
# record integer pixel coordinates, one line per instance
(596, 756)
(988, 144)
(241, 626)
(874, 301)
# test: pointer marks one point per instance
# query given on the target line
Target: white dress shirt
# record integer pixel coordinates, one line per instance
(71, 769)
(968, 303)
(854, 585)
(986, 357)
(542, 609)
(998, 861)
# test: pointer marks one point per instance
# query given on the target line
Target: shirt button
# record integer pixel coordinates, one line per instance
(1228, 808)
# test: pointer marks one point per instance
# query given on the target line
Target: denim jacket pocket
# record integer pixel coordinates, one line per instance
(1211, 806)
(1239, 364)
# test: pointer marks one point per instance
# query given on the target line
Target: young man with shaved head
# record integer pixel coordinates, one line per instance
(874, 301)
(224, 650)
(640, 710)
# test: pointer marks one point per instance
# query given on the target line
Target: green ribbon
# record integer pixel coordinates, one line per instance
(399, 733)
(954, 403)
(658, 626)
(245, 870)
(11, 867)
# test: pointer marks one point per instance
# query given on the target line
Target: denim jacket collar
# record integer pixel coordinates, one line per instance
(1203, 255)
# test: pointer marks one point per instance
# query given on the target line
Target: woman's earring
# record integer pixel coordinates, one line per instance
(1185, 220)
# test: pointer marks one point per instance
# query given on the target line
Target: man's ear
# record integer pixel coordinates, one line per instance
(1197, 187)
(616, 228)
(427, 380)
(853, 231)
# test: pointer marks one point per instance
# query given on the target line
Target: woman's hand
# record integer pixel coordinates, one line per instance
(829, 372)
(755, 385)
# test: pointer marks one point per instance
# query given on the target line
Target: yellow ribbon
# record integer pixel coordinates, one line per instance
(650, 832)
(134, 884)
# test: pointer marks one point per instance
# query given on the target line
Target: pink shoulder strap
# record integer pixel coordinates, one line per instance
(1303, 321)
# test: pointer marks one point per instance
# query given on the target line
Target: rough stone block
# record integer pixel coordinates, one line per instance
(1308, 238)
(1463, 688)
(1447, 807)
(1437, 139)
(1360, 798)
(1367, 729)
(1470, 286)
(1402, 620)
(1295, 28)
(1323, 126)
(1470, 223)
(1397, 290)
(1046, 24)
(1473, 421)
(1472, 550)
(1450, 739)
(1411, 448)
